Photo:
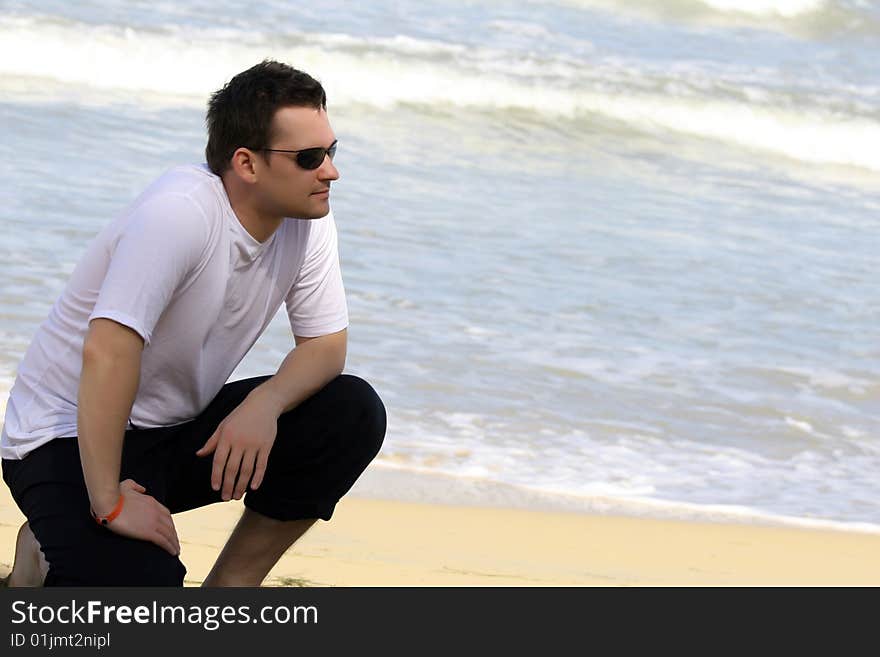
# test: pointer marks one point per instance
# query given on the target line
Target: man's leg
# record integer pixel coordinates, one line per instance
(321, 448)
(30, 567)
(255, 546)
(49, 489)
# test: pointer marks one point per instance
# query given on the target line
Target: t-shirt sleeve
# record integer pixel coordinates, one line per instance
(316, 302)
(163, 241)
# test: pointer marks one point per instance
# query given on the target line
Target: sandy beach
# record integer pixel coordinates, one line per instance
(371, 542)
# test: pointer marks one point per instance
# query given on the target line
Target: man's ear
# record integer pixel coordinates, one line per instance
(245, 165)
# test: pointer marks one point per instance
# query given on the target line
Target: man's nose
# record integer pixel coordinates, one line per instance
(328, 170)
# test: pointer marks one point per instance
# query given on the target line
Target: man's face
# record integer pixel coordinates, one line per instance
(287, 189)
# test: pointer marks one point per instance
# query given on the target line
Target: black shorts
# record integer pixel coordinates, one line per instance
(322, 447)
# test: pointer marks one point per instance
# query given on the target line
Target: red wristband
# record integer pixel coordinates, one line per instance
(106, 520)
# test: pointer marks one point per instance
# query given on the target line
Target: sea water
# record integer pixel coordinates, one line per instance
(616, 252)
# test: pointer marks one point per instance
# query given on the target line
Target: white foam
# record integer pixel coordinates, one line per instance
(113, 58)
(852, 433)
(800, 425)
(755, 9)
(784, 8)
(392, 481)
(184, 67)
(623, 465)
(805, 135)
(808, 19)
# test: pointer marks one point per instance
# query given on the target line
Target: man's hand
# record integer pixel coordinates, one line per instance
(143, 517)
(241, 445)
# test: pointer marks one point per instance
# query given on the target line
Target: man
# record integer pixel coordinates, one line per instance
(121, 415)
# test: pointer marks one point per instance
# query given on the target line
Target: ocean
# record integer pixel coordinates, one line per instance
(613, 255)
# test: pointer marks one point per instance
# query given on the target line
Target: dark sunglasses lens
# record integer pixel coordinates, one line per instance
(311, 158)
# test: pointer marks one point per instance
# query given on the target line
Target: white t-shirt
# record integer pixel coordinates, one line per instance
(179, 268)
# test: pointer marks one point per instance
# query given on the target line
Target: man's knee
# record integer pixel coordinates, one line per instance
(366, 410)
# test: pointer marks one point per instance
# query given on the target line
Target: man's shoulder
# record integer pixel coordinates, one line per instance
(187, 180)
(184, 201)
(184, 189)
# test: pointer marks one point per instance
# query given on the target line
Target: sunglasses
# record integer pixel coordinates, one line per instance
(308, 158)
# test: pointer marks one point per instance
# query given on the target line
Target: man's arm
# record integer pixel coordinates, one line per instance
(111, 363)
(108, 385)
(242, 442)
(313, 364)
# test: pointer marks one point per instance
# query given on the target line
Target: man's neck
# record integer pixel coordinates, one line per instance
(261, 229)
(258, 226)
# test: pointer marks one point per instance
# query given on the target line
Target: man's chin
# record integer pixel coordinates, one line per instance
(314, 213)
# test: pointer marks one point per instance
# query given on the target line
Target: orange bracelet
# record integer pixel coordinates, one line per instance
(106, 520)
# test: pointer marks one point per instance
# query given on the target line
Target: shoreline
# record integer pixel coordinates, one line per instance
(393, 483)
(390, 482)
(387, 481)
(400, 527)
(373, 542)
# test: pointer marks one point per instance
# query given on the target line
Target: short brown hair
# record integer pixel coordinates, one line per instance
(240, 114)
